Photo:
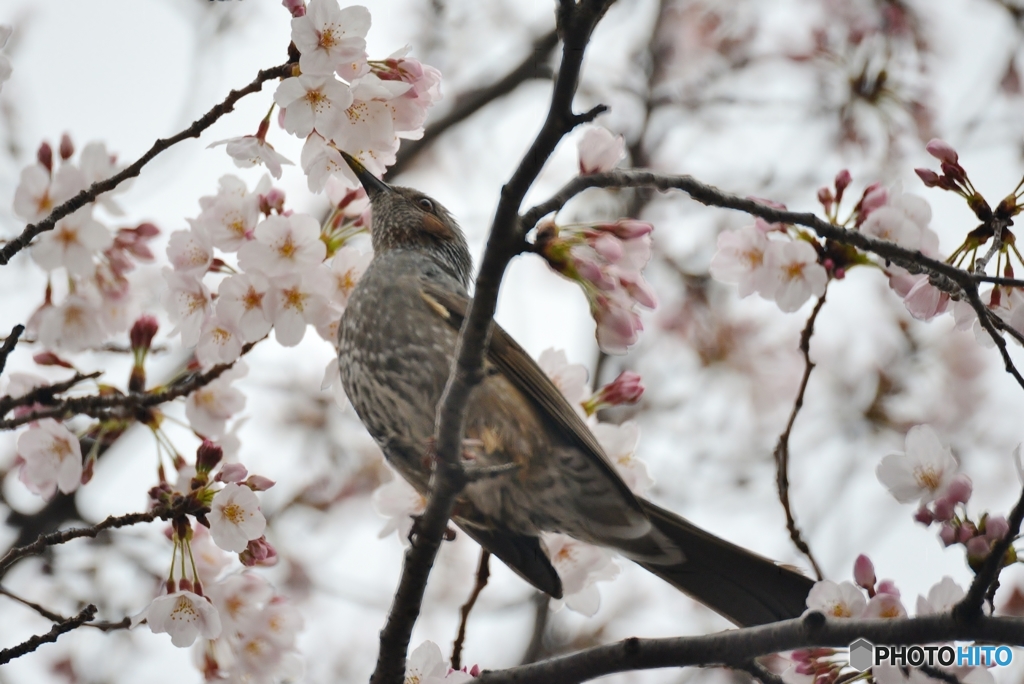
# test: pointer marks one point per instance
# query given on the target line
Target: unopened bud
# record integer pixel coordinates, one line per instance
(258, 552)
(296, 7)
(924, 516)
(232, 472)
(843, 180)
(44, 155)
(208, 455)
(864, 572)
(996, 527)
(66, 148)
(978, 549)
(825, 198)
(50, 359)
(948, 534)
(959, 490)
(258, 483)
(929, 177)
(625, 389)
(943, 509)
(272, 201)
(142, 333)
(942, 151)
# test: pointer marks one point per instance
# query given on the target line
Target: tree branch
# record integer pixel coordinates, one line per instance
(483, 573)
(969, 607)
(46, 393)
(9, 654)
(736, 648)
(467, 104)
(782, 448)
(576, 22)
(96, 189)
(57, 617)
(9, 344)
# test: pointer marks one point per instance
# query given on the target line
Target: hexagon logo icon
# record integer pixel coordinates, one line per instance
(862, 654)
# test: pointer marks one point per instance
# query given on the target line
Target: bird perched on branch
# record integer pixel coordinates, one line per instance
(396, 344)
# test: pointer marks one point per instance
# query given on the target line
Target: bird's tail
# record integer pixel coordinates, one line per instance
(746, 588)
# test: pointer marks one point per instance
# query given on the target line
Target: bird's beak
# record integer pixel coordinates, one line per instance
(373, 185)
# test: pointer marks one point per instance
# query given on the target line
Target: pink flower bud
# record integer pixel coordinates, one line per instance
(996, 527)
(147, 230)
(924, 516)
(142, 333)
(590, 271)
(965, 533)
(960, 489)
(888, 587)
(943, 509)
(258, 552)
(843, 180)
(50, 359)
(272, 201)
(954, 171)
(625, 389)
(208, 455)
(258, 483)
(942, 151)
(825, 198)
(978, 548)
(948, 534)
(44, 155)
(232, 472)
(864, 572)
(66, 148)
(474, 671)
(929, 177)
(628, 229)
(875, 196)
(296, 7)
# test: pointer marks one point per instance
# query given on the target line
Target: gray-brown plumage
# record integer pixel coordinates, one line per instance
(396, 344)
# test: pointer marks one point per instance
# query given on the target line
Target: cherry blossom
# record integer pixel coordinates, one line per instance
(368, 127)
(97, 164)
(923, 300)
(579, 566)
(313, 102)
(51, 458)
(398, 501)
(297, 300)
(188, 302)
(73, 243)
(239, 598)
(220, 341)
(330, 39)
(426, 665)
(210, 559)
(569, 378)
(284, 245)
(941, 597)
(242, 300)
(627, 388)
(740, 259)
(235, 517)
(793, 274)
(321, 161)
(884, 605)
(923, 472)
(252, 150)
(618, 325)
(842, 600)
(600, 150)
(409, 110)
(619, 443)
(38, 193)
(184, 615)
(347, 266)
(209, 408)
(190, 251)
(902, 219)
(74, 325)
(230, 216)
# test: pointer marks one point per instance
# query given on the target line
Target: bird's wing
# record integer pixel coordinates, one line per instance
(523, 372)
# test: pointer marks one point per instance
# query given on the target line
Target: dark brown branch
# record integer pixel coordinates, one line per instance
(57, 617)
(760, 672)
(954, 281)
(736, 648)
(9, 344)
(9, 654)
(483, 573)
(541, 613)
(62, 536)
(46, 393)
(969, 607)
(533, 66)
(96, 189)
(576, 22)
(99, 406)
(782, 448)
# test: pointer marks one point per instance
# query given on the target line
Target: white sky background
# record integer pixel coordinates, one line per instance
(129, 72)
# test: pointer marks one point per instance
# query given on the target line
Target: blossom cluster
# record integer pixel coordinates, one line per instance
(338, 99)
(579, 565)
(870, 598)
(927, 472)
(98, 301)
(426, 665)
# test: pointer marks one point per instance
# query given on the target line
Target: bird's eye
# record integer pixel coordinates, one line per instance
(425, 204)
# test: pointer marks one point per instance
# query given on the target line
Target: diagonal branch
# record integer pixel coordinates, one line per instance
(46, 393)
(782, 448)
(9, 344)
(57, 617)
(969, 607)
(9, 654)
(96, 189)
(483, 573)
(576, 22)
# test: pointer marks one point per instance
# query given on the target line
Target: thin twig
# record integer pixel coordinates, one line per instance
(760, 672)
(782, 448)
(99, 406)
(62, 536)
(46, 393)
(533, 66)
(541, 613)
(483, 573)
(96, 189)
(735, 648)
(9, 654)
(57, 617)
(9, 344)
(576, 22)
(969, 607)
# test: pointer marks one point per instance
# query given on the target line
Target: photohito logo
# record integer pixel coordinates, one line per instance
(864, 654)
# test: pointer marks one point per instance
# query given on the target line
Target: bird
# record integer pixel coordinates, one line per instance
(396, 344)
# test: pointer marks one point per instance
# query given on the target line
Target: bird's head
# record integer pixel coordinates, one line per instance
(404, 218)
